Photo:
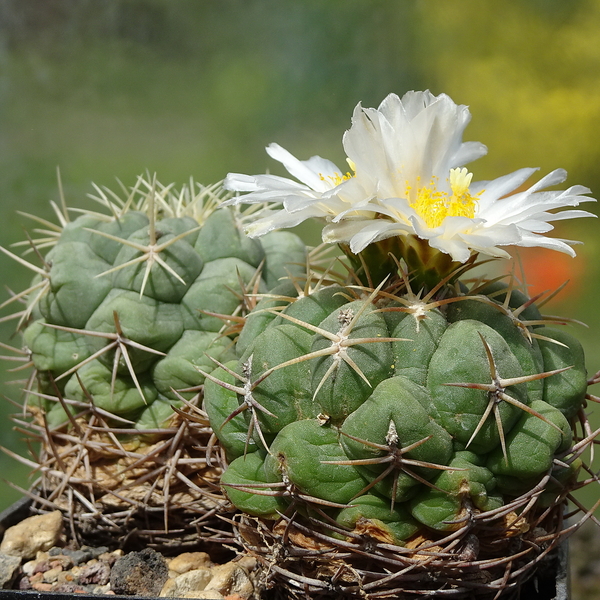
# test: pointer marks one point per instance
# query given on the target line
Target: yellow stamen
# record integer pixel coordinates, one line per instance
(338, 178)
(434, 206)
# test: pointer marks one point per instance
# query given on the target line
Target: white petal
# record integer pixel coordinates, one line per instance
(553, 178)
(374, 232)
(494, 236)
(536, 226)
(468, 152)
(490, 191)
(237, 182)
(274, 220)
(261, 184)
(569, 214)
(455, 247)
(524, 206)
(309, 172)
(343, 232)
(532, 241)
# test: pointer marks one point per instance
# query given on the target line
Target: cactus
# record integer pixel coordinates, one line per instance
(400, 428)
(407, 429)
(374, 412)
(126, 310)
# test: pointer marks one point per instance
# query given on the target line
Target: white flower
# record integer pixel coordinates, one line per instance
(409, 180)
(294, 202)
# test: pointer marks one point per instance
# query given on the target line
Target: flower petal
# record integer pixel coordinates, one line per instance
(312, 172)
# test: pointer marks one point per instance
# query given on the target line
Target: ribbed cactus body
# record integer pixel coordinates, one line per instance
(124, 321)
(127, 312)
(383, 411)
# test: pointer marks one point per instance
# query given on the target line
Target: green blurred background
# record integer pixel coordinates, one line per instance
(108, 89)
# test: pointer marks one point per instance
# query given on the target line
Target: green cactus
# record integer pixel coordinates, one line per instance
(126, 312)
(415, 427)
(395, 431)
(377, 406)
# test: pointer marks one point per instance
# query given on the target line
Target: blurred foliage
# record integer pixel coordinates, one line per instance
(530, 72)
(111, 88)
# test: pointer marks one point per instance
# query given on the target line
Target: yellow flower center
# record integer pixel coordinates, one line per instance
(434, 206)
(338, 178)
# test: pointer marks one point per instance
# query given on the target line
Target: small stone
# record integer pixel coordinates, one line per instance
(51, 575)
(68, 588)
(75, 571)
(96, 552)
(65, 577)
(79, 556)
(231, 579)
(191, 581)
(110, 557)
(42, 587)
(247, 562)
(9, 566)
(168, 589)
(139, 573)
(24, 583)
(41, 567)
(102, 589)
(189, 561)
(205, 595)
(95, 572)
(61, 561)
(33, 534)
(41, 556)
(36, 578)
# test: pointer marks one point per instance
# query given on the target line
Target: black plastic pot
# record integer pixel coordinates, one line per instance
(551, 581)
